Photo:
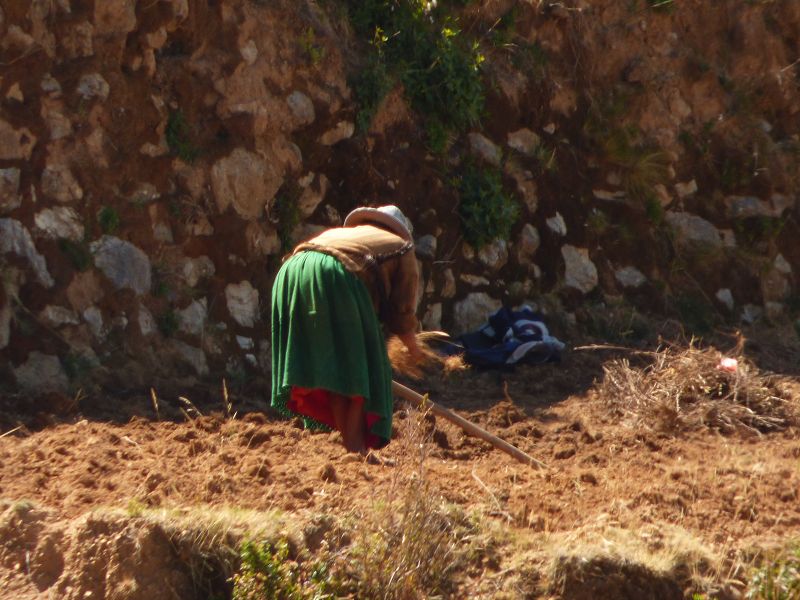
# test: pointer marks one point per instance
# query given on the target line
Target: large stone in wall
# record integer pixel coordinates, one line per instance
(524, 141)
(693, 233)
(146, 321)
(741, 207)
(59, 183)
(580, 272)
(193, 270)
(77, 40)
(16, 239)
(94, 319)
(448, 284)
(472, 312)
(50, 86)
(193, 318)
(15, 144)
(245, 181)
(725, 297)
(526, 185)
(629, 277)
(242, 300)
(302, 108)
(93, 85)
(114, 17)
(527, 244)
(53, 114)
(343, 130)
(775, 285)
(261, 240)
(485, 149)
(60, 222)
(315, 186)
(40, 374)
(125, 265)
(425, 247)
(9, 190)
(17, 40)
(494, 255)
(56, 316)
(194, 357)
(557, 225)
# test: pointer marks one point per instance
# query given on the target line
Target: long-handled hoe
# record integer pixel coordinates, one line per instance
(468, 426)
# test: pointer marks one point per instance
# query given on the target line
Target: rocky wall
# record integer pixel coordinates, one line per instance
(158, 158)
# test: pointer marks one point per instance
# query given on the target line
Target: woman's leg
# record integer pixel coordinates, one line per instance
(348, 415)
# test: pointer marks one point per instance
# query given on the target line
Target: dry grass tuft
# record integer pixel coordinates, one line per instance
(403, 364)
(411, 543)
(207, 539)
(605, 560)
(685, 388)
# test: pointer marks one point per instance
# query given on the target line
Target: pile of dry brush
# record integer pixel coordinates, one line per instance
(688, 388)
(404, 364)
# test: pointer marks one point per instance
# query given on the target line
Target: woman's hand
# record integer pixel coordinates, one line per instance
(410, 341)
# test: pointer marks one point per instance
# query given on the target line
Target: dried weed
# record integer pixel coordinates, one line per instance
(411, 543)
(403, 364)
(686, 388)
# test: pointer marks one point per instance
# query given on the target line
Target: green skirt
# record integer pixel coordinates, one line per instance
(326, 336)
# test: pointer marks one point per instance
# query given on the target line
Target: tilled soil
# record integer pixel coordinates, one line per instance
(732, 492)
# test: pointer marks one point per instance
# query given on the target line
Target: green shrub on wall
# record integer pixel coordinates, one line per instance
(178, 136)
(423, 49)
(486, 211)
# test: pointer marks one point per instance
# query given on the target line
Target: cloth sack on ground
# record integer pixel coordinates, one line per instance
(511, 337)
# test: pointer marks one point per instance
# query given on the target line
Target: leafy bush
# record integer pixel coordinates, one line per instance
(447, 83)
(428, 54)
(370, 86)
(486, 211)
(779, 579)
(268, 572)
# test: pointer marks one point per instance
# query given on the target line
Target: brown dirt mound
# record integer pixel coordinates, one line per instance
(730, 493)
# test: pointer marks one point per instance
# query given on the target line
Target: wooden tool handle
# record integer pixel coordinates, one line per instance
(468, 426)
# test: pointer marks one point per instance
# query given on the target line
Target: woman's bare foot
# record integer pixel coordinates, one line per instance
(372, 458)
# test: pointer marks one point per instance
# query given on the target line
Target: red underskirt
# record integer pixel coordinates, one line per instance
(315, 404)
